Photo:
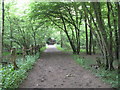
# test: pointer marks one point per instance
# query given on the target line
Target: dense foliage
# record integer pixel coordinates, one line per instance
(92, 27)
(97, 23)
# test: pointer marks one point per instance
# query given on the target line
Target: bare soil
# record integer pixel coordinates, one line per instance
(57, 69)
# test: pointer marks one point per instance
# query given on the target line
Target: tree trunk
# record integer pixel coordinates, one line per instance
(94, 45)
(11, 42)
(101, 26)
(116, 33)
(34, 37)
(78, 42)
(0, 47)
(91, 36)
(97, 34)
(61, 39)
(90, 43)
(86, 33)
(118, 8)
(110, 38)
(15, 65)
(1, 41)
(71, 43)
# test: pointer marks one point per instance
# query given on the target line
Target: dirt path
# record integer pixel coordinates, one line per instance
(56, 69)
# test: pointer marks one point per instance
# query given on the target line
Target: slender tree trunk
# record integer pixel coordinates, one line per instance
(2, 33)
(34, 37)
(90, 43)
(0, 46)
(35, 43)
(78, 42)
(100, 21)
(91, 36)
(15, 65)
(76, 25)
(61, 41)
(97, 34)
(110, 38)
(117, 43)
(11, 31)
(71, 43)
(94, 45)
(86, 33)
(118, 8)
(116, 33)
(119, 24)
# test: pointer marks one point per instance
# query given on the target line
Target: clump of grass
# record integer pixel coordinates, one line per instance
(110, 77)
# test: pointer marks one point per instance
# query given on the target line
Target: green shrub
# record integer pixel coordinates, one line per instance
(12, 78)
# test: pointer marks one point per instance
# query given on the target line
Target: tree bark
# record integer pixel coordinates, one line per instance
(11, 42)
(65, 30)
(90, 41)
(118, 8)
(86, 33)
(2, 33)
(110, 38)
(61, 39)
(97, 34)
(100, 21)
(94, 45)
(114, 14)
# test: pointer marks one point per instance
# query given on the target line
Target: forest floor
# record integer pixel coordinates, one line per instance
(57, 69)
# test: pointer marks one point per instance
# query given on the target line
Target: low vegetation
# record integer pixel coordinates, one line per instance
(107, 76)
(13, 78)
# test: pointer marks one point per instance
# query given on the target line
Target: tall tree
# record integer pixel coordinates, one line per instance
(111, 36)
(118, 9)
(114, 15)
(86, 32)
(1, 46)
(91, 36)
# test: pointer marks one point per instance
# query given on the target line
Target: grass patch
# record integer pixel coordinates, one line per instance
(82, 50)
(63, 49)
(42, 49)
(59, 48)
(110, 77)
